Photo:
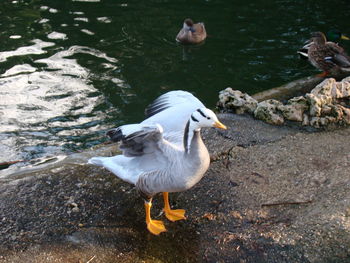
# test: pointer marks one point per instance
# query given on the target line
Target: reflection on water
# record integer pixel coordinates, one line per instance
(70, 70)
(35, 49)
(51, 107)
(45, 110)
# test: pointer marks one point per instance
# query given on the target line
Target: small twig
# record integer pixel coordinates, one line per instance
(5, 165)
(288, 203)
(91, 259)
(11, 162)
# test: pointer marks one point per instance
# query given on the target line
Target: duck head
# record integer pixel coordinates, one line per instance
(335, 35)
(318, 38)
(188, 25)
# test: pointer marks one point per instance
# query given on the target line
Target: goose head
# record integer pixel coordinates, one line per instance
(205, 117)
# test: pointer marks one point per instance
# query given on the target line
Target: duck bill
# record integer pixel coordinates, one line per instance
(219, 125)
(344, 37)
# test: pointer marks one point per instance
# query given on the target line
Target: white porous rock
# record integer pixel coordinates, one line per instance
(333, 89)
(327, 104)
(315, 105)
(294, 109)
(268, 111)
(346, 116)
(236, 101)
(306, 120)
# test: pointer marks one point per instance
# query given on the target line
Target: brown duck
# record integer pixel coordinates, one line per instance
(327, 56)
(191, 33)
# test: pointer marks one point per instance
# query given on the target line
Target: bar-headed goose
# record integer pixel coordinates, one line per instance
(165, 152)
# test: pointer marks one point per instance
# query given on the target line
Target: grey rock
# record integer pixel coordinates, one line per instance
(327, 104)
(235, 101)
(268, 111)
(294, 109)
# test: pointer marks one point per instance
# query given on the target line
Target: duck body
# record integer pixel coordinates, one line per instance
(191, 33)
(331, 36)
(165, 152)
(326, 55)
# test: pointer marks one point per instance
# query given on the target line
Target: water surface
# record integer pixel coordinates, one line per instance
(70, 70)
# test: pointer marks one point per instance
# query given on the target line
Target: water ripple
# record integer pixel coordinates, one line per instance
(35, 49)
(49, 108)
(19, 69)
(56, 35)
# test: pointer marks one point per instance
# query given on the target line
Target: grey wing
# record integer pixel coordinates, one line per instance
(171, 99)
(341, 60)
(335, 48)
(137, 140)
(172, 111)
(339, 57)
(157, 106)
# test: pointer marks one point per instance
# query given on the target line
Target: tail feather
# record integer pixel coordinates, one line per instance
(115, 165)
(96, 161)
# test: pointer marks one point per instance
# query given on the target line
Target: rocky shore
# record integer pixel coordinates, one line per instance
(326, 105)
(272, 194)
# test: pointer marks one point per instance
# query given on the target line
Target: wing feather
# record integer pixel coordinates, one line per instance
(171, 99)
(137, 139)
(342, 60)
(173, 109)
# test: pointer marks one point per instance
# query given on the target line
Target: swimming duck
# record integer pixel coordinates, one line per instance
(164, 153)
(191, 33)
(332, 35)
(327, 56)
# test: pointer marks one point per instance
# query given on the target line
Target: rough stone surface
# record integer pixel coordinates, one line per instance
(272, 194)
(294, 109)
(237, 101)
(327, 104)
(268, 111)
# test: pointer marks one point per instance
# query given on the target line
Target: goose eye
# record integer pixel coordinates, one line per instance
(208, 118)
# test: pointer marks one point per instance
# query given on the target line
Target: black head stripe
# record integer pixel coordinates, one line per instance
(194, 119)
(201, 112)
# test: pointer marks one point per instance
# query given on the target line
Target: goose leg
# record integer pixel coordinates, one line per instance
(154, 226)
(172, 215)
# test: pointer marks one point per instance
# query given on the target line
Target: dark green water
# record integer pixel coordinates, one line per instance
(70, 70)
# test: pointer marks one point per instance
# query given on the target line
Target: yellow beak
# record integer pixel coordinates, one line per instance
(344, 37)
(219, 125)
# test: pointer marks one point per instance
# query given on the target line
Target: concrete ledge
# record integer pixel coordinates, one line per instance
(272, 194)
